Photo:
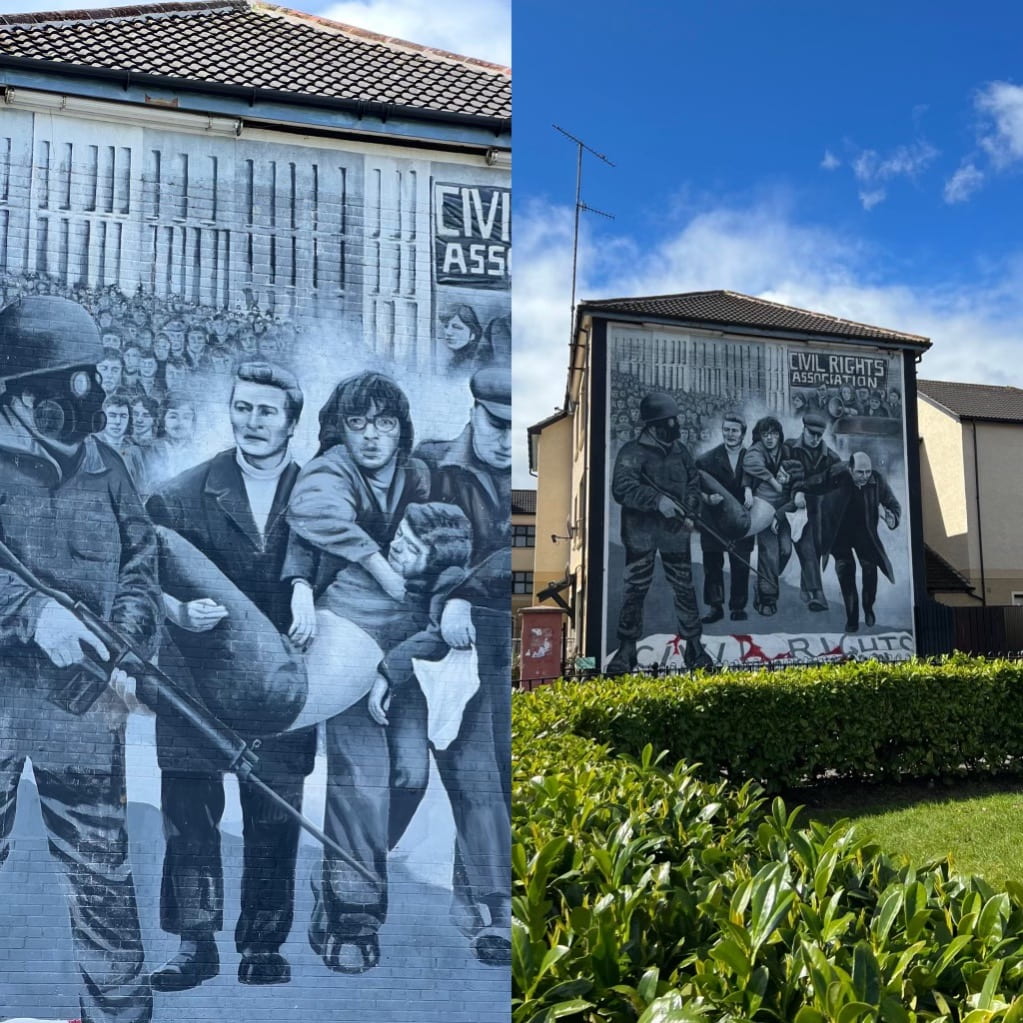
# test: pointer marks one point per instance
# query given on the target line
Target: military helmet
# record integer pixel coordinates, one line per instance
(44, 333)
(656, 406)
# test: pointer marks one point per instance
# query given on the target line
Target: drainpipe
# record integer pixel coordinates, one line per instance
(980, 525)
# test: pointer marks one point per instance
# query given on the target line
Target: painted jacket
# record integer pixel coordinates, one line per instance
(483, 492)
(82, 531)
(644, 471)
(336, 518)
(850, 513)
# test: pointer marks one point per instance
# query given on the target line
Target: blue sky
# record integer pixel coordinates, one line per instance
(861, 159)
(864, 160)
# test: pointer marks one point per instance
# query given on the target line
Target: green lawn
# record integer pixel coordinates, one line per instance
(978, 825)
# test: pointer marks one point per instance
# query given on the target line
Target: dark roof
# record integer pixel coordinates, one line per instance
(975, 401)
(726, 308)
(523, 502)
(941, 576)
(254, 45)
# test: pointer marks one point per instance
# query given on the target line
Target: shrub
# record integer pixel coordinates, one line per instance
(643, 892)
(859, 720)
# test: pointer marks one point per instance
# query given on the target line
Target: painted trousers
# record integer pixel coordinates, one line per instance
(845, 569)
(639, 574)
(83, 804)
(192, 890)
(738, 576)
(810, 582)
(773, 553)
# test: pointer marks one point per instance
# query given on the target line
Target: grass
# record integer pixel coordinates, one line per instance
(978, 825)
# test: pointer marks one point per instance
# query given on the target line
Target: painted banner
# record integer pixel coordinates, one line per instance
(756, 503)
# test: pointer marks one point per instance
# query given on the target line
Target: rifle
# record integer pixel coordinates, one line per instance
(90, 678)
(729, 545)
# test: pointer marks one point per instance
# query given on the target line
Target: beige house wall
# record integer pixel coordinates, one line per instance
(980, 538)
(943, 486)
(553, 505)
(998, 475)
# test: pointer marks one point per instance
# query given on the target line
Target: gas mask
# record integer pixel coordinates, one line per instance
(667, 431)
(68, 403)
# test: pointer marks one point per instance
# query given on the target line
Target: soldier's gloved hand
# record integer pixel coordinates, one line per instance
(456, 628)
(60, 635)
(667, 507)
(303, 614)
(202, 615)
(714, 500)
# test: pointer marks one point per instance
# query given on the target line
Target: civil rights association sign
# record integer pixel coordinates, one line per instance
(472, 235)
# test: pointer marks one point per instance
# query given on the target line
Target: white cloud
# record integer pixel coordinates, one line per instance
(1001, 104)
(762, 250)
(869, 198)
(474, 28)
(830, 161)
(966, 180)
(872, 170)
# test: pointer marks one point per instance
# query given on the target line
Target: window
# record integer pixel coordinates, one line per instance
(523, 536)
(1017, 598)
(522, 582)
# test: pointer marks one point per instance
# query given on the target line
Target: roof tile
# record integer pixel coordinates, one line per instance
(726, 308)
(976, 401)
(246, 42)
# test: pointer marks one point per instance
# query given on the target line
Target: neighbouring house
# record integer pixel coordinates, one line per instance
(971, 464)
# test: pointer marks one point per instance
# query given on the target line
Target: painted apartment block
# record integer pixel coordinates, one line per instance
(254, 351)
(737, 482)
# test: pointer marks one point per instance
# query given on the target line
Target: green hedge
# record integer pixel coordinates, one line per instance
(643, 893)
(862, 721)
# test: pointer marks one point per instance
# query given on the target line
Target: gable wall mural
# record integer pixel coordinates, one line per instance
(254, 489)
(756, 502)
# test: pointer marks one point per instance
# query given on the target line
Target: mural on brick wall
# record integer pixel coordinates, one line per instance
(254, 491)
(756, 500)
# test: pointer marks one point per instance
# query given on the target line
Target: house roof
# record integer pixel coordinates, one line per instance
(728, 308)
(975, 401)
(523, 502)
(254, 45)
(941, 576)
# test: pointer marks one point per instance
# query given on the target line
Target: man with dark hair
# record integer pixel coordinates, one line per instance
(344, 510)
(724, 465)
(69, 511)
(815, 460)
(232, 509)
(116, 431)
(111, 369)
(768, 478)
(849, 515)
(656, 482)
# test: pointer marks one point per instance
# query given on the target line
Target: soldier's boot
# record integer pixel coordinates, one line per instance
(196, 962)
(624, 659)
(695, 655)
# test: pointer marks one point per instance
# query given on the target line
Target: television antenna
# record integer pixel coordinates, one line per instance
(580, 207)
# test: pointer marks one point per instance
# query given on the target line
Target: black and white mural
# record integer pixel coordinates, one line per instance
(254, 490)
(756, 500)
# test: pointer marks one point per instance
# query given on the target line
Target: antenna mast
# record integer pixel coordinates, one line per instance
(580, 206)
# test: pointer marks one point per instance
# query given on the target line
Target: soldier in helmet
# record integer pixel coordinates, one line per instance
(70, 513)
(656, 483)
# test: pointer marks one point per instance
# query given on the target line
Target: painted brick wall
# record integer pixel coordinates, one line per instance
(256, 391)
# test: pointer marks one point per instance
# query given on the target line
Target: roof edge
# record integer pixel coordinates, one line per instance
(385, 111)
(612, 303)
(365, 33)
